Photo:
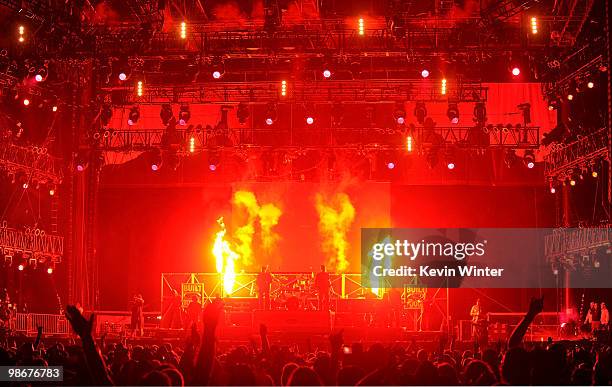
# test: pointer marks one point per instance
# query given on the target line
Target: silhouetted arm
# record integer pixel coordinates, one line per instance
(535, 306)
(206, 356)
(93, 358)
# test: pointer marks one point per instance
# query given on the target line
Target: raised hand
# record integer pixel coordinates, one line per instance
(80, 324)
(536, 306)
(336, 339)
(263, 330)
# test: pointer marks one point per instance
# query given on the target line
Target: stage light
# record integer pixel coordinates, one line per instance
(590, 85)
(516, 71)
(139, 89)
(551, 107)
(283, 88)
(480, 113)
(242, 112)
(20, 267)
(570, 97)
(155, 160)
(183, 30)
(420, 112)
(552, 190)
(529, 159)
(51, 192)
(25, 185)
(424, 73)
(361, 26)
(409, 144)
(572, 182)
(399, 113)
(21, 32)
(122, 76)
(54, 108)
(192, 144)
(453, 113)
(309, 120)
(134, 115)
(327, 73)
(390, 165)
(534, 25)
(184, 115)
(38, 78)
(166, 113)
(106, 113)
(49, 270)
(450, 165)
(271, 113)
(26, 102)
(594, 174)
(216, 74)
(443, 87)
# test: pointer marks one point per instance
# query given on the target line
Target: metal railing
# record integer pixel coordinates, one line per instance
(52, 324)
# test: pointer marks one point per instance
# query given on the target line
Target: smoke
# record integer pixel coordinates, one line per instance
(266, 216)
(336, 215)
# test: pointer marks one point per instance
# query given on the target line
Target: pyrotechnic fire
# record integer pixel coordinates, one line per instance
(335, 219)
(225, 258)
(267, 215)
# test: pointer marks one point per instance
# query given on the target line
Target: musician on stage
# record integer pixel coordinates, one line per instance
(605, 317)
(194, 311)
(476, 313)
(264, 284)
(322, 285)
(137, 321)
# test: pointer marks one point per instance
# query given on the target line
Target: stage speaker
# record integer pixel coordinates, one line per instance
(281, 320)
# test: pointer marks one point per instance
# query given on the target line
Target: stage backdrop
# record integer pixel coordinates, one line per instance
(143, 231)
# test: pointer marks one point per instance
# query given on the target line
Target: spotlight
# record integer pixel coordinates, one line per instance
(309, 120)
(156, 162)
(134, 115)
(49, 270)
(216, 74)
(361, 27)
(443, 86)
(450, 165)
(270, 114)
(534, 25)
(166, 114)
(594, 174)
(420, 112)
(390, 165)
(327, 73)
(516, 71)
(480, 113)
(184, 115)
(552, 190)
(183, 31)
(25, 185)
(590, 85)
(26, 102)
(139, 89)
(453, 113)
(20, 267)
(122, 76)
(242, 112)
(399, 114)
(106, 113)
(283, 88)
(570, 97)
(529, 159)
(572, 182)
(54, 108)
(38, 78)
(51, 192)
(424, 73)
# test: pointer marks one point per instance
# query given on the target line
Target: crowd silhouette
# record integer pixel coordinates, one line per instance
(197, 362)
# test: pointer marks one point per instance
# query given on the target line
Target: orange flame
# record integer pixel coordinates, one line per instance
(225, 258)
(335, 219)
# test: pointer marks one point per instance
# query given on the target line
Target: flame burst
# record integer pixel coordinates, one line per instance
(267, 215)
(335, 219)
(225, 258)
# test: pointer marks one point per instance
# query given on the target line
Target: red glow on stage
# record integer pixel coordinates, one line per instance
(516, 71)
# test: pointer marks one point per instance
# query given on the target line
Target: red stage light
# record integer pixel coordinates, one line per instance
(122, 76)
(590, 85)
(450, 165)
(51, 192)
(38, 78)
(530, 164)
(26, 102)
(216, 74)
(326, 73)
(570, 97)
(390, 165)
(54, 108)
(269, 121)
(20, 267)
(212, 167)
(80, 168)
(309, 120)
(25, 185)
(50, 270)
(516, 71)
(401, 120)
(154, 167)
(552, 190)
(425, 73)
